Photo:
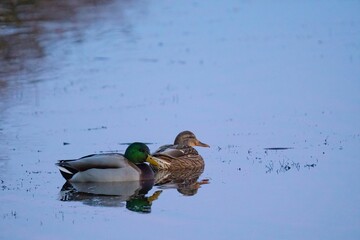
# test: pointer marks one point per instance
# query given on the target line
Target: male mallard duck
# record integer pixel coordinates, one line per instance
(112, 167)
(181, 154)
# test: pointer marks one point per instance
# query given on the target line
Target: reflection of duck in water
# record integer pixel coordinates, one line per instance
(112, 194)
(184, 180)
(181, 154)
(110, 167)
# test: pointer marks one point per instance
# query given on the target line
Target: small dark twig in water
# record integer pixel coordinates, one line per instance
(278, 148)
(310, 165)
(97, 128)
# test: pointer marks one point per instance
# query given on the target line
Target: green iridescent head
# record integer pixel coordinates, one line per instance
(138, 152)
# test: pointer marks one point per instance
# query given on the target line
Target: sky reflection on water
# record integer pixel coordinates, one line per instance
(248, 78)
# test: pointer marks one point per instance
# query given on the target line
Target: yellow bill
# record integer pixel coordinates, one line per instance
(152, 161)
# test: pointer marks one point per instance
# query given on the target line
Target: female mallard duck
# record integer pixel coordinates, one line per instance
(181, 154)
(112, 167)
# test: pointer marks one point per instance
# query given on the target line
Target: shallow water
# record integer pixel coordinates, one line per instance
(273, 88)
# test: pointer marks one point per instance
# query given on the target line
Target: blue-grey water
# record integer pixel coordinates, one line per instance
(272, 87)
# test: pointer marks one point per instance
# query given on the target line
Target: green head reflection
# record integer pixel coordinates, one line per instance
(141, 203)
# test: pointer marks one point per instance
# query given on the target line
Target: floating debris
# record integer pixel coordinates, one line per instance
(109, 151)
(128, 143)
(310, 165)
(97, 128)
(326, 141)
(278, 148)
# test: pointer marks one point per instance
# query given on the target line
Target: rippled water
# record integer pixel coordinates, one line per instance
(273, 88)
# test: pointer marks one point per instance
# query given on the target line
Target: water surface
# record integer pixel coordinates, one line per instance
(273, 88)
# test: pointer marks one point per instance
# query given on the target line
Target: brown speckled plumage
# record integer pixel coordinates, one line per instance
(180, 155)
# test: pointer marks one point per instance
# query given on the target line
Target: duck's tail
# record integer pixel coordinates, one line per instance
(65, 169)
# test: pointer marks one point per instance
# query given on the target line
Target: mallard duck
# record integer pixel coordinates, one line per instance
(110, 167)
(181, 154)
